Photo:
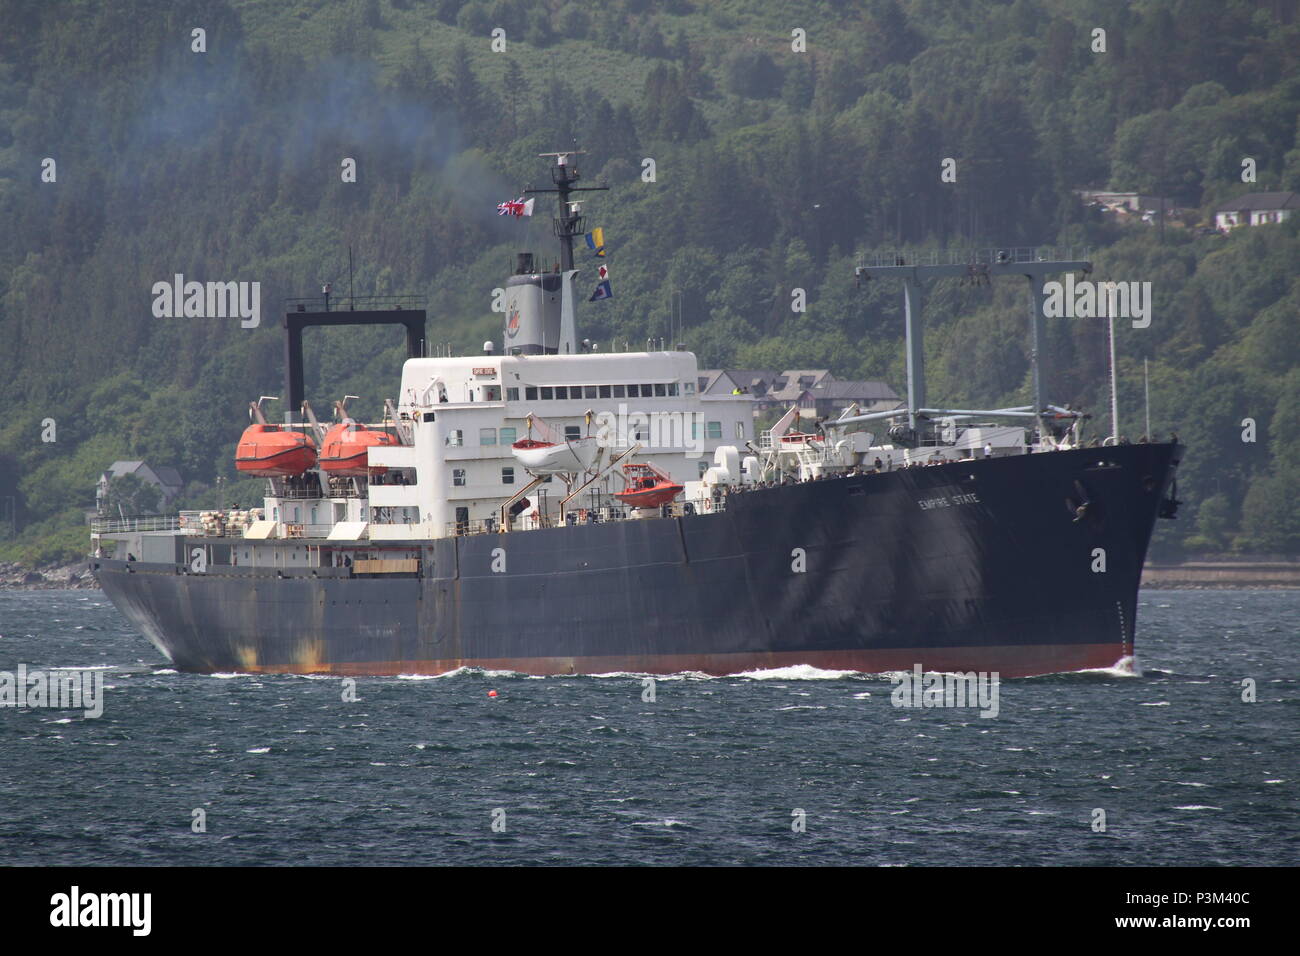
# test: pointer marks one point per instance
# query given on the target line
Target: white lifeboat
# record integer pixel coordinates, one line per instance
(568, 456)
(553, 454)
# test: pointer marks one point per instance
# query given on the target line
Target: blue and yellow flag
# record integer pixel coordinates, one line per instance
(596, 241)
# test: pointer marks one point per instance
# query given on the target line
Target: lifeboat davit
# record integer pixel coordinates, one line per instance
(647, 486)
(567, 457)
(346, 447)
(268, 451)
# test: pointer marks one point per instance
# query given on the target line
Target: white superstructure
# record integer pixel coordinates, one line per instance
(465, 413)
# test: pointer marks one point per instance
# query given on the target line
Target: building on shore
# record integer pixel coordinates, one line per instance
(817, 392)
(1255, 209)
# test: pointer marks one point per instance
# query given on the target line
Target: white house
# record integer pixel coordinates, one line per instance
(166, 480)
(1255, 209)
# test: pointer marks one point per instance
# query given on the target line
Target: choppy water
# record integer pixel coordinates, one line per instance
(588, 772)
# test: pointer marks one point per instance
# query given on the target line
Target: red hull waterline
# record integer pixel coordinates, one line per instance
(1006, 660)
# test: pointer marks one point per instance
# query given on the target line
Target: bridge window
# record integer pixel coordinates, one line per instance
(487, 436)
(620, 391)
(458, 477)
(660, 391)
(530, 393)
(508, 436)
(491, 393)
(604, 391)
(512, 394)
(713, 430)
(672, 389)
(548, 393)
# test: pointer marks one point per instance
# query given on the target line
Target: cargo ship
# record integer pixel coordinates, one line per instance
(547, 507)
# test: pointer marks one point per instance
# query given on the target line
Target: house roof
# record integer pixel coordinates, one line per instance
(1255, 201)
(169, 476)
(792, 383)
(815, 374)
(120, 468)
(856, 391)
(166, 475)
(711, 380)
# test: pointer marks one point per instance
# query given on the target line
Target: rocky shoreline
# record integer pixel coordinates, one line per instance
(75, 576)
(1223, 574)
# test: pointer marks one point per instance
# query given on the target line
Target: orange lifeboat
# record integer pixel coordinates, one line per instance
(346, 446)
(647, 486)
(268, 451)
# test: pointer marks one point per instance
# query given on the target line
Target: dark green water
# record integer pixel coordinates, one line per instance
(588, 772)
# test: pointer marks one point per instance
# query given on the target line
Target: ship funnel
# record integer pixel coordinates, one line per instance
(532, 303)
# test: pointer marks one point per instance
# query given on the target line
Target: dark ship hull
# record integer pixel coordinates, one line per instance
(977, 565)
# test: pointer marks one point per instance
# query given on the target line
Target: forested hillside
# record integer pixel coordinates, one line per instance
(775, 169)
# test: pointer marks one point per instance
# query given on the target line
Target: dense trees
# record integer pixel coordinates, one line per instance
(774, 170)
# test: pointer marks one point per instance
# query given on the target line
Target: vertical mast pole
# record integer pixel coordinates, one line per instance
(1146, 386)
(1114, 393)
(563, 185)
(915, 348)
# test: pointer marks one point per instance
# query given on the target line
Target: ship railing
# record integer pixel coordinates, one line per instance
(294, 489)
(962, 257)
(347, 303)
(456, 529)
(136, 523)
(300, 494)
(580, 516)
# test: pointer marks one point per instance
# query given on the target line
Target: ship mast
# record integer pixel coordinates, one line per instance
(570, 222)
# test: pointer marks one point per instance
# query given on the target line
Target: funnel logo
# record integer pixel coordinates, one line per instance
(512, 321)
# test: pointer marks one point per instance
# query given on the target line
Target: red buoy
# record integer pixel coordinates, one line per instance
(492, 693)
